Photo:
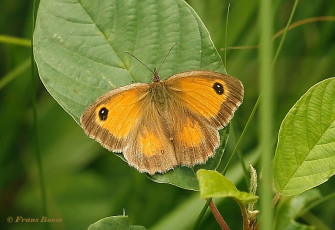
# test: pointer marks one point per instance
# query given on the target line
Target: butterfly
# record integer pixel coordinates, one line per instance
(165, 124)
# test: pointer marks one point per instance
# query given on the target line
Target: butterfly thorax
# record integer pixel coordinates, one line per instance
(159, 94)
(161, 104)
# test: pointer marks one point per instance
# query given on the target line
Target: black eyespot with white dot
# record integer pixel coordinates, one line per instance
(218, 87)
(103, 113)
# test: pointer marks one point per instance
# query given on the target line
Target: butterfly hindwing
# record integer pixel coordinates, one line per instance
(151, 149)
(193, 137)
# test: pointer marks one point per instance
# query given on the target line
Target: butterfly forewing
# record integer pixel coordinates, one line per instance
(211, 95)
(115, 115)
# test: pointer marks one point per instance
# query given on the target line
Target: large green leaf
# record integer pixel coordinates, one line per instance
(214, 184)
(305, 154)
(115, 223)
(79, 46)
(80, 53)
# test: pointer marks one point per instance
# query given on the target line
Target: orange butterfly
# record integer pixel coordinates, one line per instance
(165, 124)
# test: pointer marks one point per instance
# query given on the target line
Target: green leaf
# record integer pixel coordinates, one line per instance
(115, 223)
(305, 154)
(80, 49)
(289, 209)
(214, 184)
(80, 53)
(185, 177)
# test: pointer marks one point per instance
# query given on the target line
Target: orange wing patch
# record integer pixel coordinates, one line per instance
(150, 144)
(191, 133)
(115, 115)
(120, 123)
(194, 139)
(200, 92)
(213, 96)
(150, 148)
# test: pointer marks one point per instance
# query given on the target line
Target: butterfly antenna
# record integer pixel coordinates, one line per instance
(140, 61)
(167, 55)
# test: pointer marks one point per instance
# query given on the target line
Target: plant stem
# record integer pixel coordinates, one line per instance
(285, 32)
(35, 134)
(225, 41)
(244, 215)
(316, 203)
(15, 41)
(276, 199)
(303, 22)
(315, 221)
(5, 80)
(266, 112)
(246, 127)
(218, 216)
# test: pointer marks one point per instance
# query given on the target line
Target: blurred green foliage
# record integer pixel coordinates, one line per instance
(85, 183)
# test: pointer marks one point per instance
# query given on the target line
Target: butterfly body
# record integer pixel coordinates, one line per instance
(167, 123)
(159, 94)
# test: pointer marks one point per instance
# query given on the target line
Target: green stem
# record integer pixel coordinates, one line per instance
(225, 40)
(246, 127)
(15, 41)
(244, 166)
(240, 156)
(285, 32)
(316, 203)
(315, 221)
(266, 112)
(276, 199)
(35, 129)
(15, 73)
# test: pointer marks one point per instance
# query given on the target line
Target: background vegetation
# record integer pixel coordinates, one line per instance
(85, 183)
